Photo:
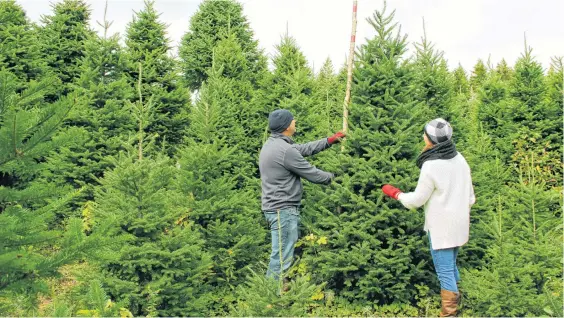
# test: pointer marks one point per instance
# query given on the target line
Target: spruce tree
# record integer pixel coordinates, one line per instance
(156, 272)
(460, 81)
(461, 110)
(104, 120)
(538, 122)
(62, 39)
(19, 52)
(521, 273)
(291, 87)
(478, 75)
(432, 80)
(147, 42)
(329, 93)
(221, 180)
(504, 71)
(213, 22)
(371, 248)
(31, 251)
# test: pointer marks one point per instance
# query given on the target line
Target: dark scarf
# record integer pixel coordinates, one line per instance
(444, 150)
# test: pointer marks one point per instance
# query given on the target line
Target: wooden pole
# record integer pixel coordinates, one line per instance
(349, 72)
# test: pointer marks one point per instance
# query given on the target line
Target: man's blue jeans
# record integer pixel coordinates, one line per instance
(445, 266)
(284, 233)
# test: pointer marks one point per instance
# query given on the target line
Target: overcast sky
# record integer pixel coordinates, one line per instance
(465, 30)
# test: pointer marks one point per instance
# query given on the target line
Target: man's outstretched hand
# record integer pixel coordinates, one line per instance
(336, 138)
(391, 191)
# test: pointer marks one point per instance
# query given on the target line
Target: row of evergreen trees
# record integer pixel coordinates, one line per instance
(122, 195)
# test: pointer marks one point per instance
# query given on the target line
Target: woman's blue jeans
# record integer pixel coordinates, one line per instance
(445, 266)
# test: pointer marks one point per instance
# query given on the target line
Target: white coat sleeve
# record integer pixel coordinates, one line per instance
(422, 193)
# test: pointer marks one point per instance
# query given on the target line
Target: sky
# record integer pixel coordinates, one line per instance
(465, 30)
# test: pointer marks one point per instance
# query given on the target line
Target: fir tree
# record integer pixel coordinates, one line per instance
(504, 71)
(214, 173)
(537, 122)
(162, 268)
(62, 39)
(373, 249)
(478, 75)
(147, 43)
(489, 177)
(492, 110)
(461, 110)
(460, 81)
(213, 22)
(329, 93)
(432, 79)
(156, 271)
(522, 273)
(104, 119)
(260, 296)
(553, 107)
(291, 87)
(30, 250)
(242, 119)
(19, 52)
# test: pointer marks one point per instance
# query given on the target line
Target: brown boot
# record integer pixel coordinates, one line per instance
(449, 303)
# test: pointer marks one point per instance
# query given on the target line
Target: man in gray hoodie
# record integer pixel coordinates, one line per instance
(282, 165)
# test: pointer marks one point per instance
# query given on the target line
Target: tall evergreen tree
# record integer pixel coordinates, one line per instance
(505, 72)
(161, 268)
(478, 75)
(554, 105)
(31, 251)
(527, 88)
(20, 53)
(104, 118)
(461, 84)
(462, 104)
(432, 79)
(521, 273)
(63, 37)
(218, 172)
(213, 22)
(155, 271)
(291, 87)
(147, 43)
(242, 119)
(369, 248)
(490, 175)
(538, 124)
(329, 93)
(492, 110)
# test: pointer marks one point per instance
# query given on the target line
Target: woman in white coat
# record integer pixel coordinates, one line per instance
(446, 192)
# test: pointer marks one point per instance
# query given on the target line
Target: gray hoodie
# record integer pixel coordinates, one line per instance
(281, 165)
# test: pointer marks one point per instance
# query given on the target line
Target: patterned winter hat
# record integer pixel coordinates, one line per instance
(438, 130)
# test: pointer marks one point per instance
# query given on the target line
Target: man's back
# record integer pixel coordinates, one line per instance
(281, 165)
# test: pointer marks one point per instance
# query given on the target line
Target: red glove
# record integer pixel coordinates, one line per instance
(336, 138)
(391, 191)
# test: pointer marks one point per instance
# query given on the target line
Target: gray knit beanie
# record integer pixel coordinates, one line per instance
(279, 120)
